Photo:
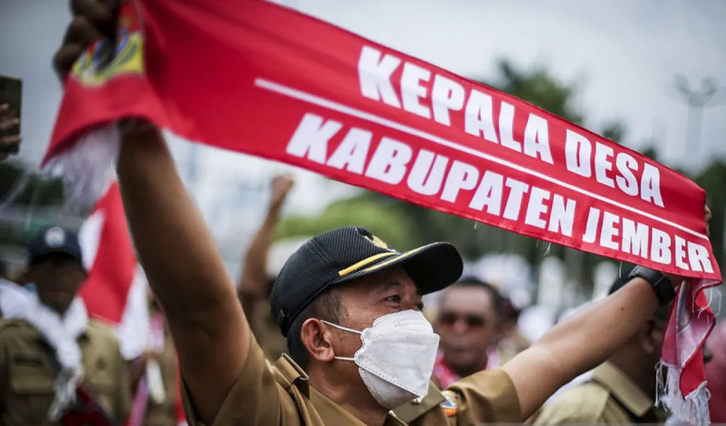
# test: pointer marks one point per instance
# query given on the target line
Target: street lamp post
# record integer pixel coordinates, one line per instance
(697, 100)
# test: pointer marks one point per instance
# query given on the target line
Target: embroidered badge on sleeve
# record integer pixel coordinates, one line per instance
(451, 405)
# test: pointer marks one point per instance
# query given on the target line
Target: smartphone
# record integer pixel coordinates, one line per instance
(11, 93)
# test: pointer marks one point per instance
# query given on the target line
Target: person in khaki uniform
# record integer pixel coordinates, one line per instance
(608, 397)
(164, 413)
(256, 282)
(157, 408)
(28, 372)
(52, 347)
(621, 390)
(349, 306)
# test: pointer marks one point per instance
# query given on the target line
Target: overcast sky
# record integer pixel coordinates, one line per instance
(624, 54)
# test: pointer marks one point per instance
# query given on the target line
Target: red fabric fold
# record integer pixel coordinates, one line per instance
(106, 290)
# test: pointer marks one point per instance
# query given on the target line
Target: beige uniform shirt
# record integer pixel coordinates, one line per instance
(609, 397)
(267, 395)
(28, 369)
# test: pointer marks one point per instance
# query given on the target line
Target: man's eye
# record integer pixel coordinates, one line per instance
(395, 298)
(420, 306)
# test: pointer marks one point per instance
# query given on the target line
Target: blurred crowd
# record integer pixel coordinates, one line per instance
(48, 341)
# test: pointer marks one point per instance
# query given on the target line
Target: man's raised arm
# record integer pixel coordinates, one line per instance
(579, 344)
(184, 270)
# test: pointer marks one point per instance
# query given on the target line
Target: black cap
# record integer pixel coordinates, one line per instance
(54, 240)
(344, 254)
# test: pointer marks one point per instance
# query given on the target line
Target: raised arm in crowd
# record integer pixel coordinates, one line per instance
(255, 284)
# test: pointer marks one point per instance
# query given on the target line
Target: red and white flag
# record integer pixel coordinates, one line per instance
(116, 289)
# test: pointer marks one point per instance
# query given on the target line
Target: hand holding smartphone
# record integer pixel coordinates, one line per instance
(11, 91)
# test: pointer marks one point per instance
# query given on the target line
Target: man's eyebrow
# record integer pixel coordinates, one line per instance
(391, 283)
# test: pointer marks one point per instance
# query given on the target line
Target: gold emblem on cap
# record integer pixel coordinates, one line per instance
(377, 241)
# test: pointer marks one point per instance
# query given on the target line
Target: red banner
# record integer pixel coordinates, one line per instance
(254, 77)
(287, 87)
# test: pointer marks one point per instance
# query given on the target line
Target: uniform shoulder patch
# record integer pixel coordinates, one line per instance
(16, 327)
(101, 330)
(451, 404)
(14, 323)
(99, 325)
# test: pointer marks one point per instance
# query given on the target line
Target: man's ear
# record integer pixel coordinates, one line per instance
(316, 338)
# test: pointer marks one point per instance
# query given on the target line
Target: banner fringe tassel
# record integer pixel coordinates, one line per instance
(693, 409)
(88, 167)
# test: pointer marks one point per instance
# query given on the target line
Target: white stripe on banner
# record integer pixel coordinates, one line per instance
(335, 106)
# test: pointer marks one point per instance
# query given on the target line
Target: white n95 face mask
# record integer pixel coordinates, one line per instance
(397, 357)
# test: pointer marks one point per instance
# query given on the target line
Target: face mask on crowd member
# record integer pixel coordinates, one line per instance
(55, 268)
(353, 317)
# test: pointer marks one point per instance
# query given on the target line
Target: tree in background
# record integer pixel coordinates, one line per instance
(713, 180)
(387, 220)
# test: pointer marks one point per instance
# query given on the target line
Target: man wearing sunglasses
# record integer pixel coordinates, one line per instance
(467, 323)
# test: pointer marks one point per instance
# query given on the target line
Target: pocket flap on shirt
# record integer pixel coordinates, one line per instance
(100, 382)
(30, 374)
(32, 384)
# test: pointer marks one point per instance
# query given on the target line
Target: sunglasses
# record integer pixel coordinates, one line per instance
(471, 320)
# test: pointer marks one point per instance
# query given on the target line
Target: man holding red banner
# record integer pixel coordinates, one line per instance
(349, 304)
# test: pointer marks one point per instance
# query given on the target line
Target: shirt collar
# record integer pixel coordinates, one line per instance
(83, 337)
(333, 414)
(623, 389)
(292, 374)
(330, 412)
